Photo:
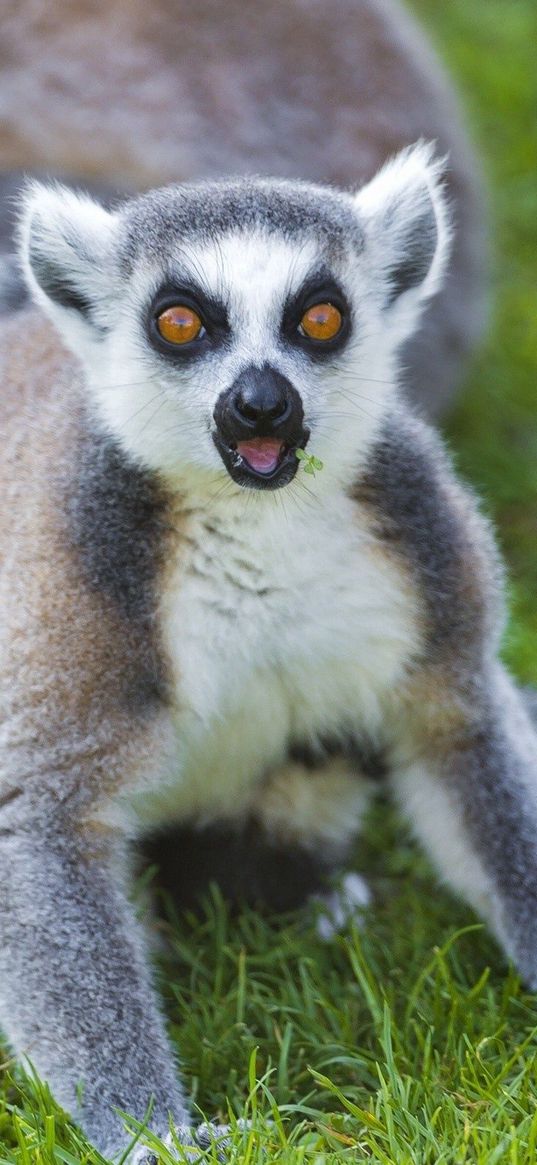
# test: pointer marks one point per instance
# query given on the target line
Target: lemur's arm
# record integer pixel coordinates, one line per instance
(472, 797)
(76, 993)
(464, 754)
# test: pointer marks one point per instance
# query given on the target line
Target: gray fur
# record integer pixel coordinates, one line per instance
(488, 775)
(422, 240)
(406, 486)
(494, 796)
(204, 211)
(76, 992)
(51, 278)
(121, 556)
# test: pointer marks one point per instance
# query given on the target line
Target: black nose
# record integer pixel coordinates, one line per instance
(261, 396)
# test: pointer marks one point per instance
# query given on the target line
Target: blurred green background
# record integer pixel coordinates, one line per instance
(490, 48)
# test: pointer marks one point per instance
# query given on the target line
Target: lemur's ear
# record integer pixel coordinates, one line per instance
(65, 247)
(404, 214)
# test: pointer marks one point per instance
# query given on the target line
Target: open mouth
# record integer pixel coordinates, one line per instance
(259, 425)
(260, 462)
(262, 454)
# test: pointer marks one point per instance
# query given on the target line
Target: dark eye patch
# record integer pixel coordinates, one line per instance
(211, 311)
(319, 288)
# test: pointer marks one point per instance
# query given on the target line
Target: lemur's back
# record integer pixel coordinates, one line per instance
(181, 92)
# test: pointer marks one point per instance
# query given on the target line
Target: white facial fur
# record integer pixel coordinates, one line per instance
(161, 410)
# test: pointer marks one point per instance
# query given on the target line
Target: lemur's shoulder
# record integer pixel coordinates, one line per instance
(424, 513)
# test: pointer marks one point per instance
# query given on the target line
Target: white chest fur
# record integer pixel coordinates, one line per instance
(281, 626)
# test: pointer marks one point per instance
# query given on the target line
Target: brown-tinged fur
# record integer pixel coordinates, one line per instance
(441, 711)
(71, 659)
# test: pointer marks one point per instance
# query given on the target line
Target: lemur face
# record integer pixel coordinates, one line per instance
(224, 326)
(245, 333)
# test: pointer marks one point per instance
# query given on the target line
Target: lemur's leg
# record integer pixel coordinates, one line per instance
(467, 778)
(297, 833)
(75, 989)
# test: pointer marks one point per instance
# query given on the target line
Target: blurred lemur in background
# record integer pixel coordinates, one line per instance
(127, 95)
(196, 633)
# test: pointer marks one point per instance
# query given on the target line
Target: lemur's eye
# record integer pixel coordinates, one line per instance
(322, 321)
(179, 324)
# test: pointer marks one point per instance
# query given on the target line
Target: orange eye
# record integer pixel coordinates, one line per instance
(323, 321)
(179, 324)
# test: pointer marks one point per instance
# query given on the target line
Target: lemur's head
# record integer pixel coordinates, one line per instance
(224, 325)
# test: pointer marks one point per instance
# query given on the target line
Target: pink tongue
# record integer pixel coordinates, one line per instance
(261, 453)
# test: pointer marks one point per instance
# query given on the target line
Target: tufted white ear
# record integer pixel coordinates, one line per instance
(405, 217)
(65, 246)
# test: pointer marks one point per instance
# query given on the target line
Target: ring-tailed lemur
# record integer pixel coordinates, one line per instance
(196, 629)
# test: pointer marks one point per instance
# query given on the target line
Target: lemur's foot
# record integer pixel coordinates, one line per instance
(336, 909)
(193, 1141)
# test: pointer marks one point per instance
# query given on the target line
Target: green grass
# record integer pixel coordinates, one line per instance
(411, 1041)
(394, 1044)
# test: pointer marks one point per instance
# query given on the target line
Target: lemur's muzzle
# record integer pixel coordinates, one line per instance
(259, 426)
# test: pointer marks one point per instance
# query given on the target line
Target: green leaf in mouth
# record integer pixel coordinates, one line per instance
(311, 463)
